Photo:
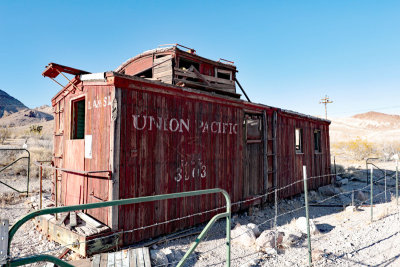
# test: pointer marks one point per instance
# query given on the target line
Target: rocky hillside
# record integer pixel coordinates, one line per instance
(14, 113)
(27, 117)
(9, 104)
(373, 126)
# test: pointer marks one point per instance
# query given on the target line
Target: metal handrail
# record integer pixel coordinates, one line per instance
(37, 163)
(227, 215)
(9, 165)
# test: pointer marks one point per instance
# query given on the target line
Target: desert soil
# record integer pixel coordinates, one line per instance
(345, 238)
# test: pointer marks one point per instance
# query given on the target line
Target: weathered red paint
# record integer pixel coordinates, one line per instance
(158, 138)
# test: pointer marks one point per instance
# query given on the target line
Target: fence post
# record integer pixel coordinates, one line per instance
(372, 192)
(397, 182)
(334, 164)
(307, 216)
(56, 191)
(276, 219)
(385, 188)
(29, 170)
(40, 186)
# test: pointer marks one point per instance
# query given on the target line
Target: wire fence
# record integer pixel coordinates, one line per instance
(377, 193)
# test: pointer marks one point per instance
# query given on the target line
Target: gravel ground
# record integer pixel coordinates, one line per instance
(346, 238)
(27, 241)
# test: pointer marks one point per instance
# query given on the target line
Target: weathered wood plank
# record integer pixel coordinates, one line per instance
(161, 59)
(111, 259)
(125, 258)
(133, 258)
(163, 73)
(89, 220)
(202, 85)
(96, 260)
(190, 74)
(163, 67)
(140, 259)
(146, 257)
(118, 258)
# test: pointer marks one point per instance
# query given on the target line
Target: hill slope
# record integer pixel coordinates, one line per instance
(374, 126)
(26, 117)
(9, 104)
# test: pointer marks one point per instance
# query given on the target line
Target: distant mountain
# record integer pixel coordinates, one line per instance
(27, 116)
(9, 104)
(372, 126)
(379, 119)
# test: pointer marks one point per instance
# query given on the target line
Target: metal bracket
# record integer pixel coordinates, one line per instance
(3, 241)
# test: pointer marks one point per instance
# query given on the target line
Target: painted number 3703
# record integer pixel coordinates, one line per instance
(190, 170)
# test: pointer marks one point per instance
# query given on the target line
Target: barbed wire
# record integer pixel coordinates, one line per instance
(216, 209)
(193, 215)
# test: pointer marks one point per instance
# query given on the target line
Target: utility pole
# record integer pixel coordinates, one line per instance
(325, 101)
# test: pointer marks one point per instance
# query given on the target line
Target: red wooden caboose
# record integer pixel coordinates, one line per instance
(170, 121)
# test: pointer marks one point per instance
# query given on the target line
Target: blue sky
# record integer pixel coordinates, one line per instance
(289, 53)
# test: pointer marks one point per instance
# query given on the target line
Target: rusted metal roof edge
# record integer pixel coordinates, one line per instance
(294, 113)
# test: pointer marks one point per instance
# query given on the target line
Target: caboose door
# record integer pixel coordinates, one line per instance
(253, 155)
(73, 190)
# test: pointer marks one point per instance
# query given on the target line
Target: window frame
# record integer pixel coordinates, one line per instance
(298, 147)
(317, 141)
(73, 122)
(228, 72)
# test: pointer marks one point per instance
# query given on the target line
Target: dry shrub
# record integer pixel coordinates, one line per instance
(388, 149)
(4, 134)
(41, 151)
(360, 149)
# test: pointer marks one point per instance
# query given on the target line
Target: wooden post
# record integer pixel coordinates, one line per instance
(40, 186)
(307, 215)
(265, 156)
(372, 193)
(397, 182)
(385, 188)
(56, 190)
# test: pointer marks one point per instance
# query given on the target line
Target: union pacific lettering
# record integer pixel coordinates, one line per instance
(150, 123)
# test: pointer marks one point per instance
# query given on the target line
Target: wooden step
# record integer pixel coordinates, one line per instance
(134, 257)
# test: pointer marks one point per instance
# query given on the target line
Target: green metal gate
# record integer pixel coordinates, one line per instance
(14, 162)
(27, 260)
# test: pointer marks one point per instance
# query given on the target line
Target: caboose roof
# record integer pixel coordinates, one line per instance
(175, 50)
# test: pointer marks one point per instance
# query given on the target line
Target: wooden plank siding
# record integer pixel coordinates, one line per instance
(290, 163)
(169, 139)
(70, 153)
(188, 151)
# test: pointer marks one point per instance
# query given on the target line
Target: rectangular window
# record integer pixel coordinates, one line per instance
(78, 119)
(317, 141)
(299, 140)
(185, 64)
(223, 74)
(253, 127)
